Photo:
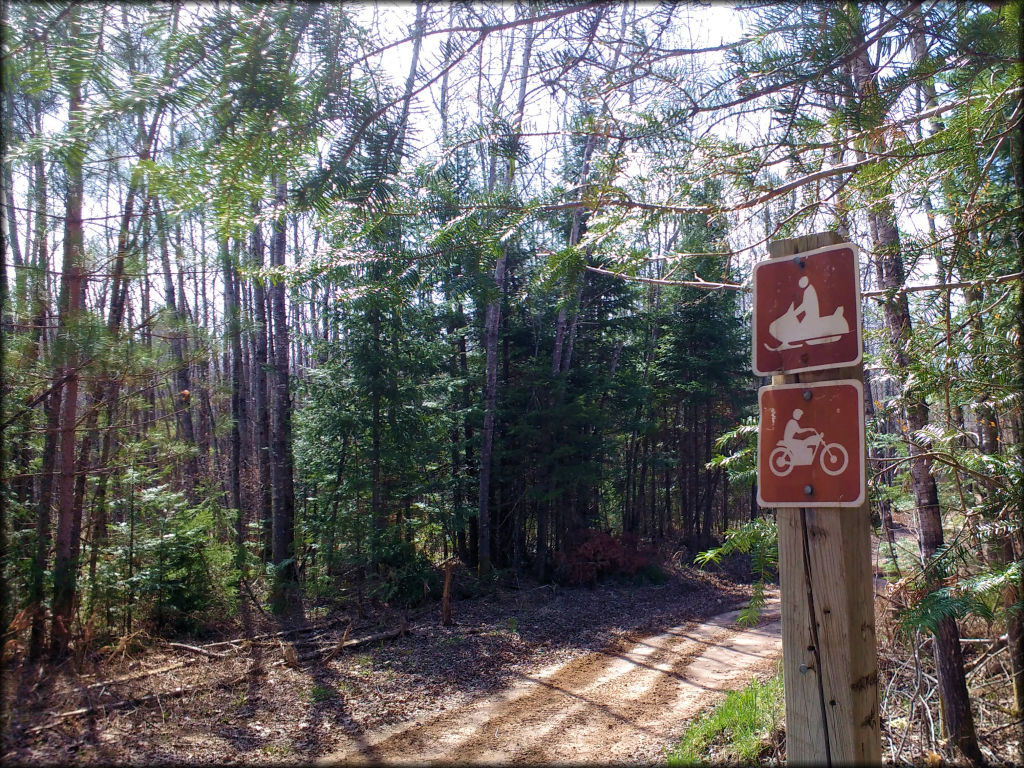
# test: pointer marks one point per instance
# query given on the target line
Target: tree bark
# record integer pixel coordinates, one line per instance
(492, 323)
(69, 310)
(44, 510)
(233, 366)
(51, 409)
(284, 593)
(261, 432)
(956, 708)
(1000, 549)
(493, 318)
(182, 382)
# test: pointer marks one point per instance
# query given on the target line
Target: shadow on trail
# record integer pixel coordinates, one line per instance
(591, 694)
(488, 639)
(329, 703)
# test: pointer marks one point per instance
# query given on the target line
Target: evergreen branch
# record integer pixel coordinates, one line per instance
(711, 286)
(889, 294)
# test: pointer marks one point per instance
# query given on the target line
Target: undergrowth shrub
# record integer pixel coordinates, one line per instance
(189, 580)
(760, 540)
(181, 579)
(406, 575)
(599, 554)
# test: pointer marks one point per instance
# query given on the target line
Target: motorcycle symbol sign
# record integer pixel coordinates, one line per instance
(807, 311)
(811, 445)
(800, 446)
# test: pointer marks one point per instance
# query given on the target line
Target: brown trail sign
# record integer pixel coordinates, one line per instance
(830, 663)
(810, 444)
(807, 311)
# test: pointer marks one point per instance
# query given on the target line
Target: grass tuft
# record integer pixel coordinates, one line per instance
(321, 693)
(737, 729)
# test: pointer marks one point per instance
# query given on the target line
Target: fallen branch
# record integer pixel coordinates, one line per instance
(340, 645)
(272, 635)
(402, 630)
(317, 638)
(1003, 727)
(252, 597)
(238, 642)
(358, 642)
(236, 645)
(200, 651)
(174, 693)
(137, 675)
(158, 670)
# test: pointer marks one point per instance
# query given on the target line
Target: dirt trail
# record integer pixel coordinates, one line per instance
(624, 704)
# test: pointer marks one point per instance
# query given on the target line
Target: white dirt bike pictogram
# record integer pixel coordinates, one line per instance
(801, 446)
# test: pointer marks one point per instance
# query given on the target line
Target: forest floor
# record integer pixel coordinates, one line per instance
(624, 704)
(536, 674)
(607, 675)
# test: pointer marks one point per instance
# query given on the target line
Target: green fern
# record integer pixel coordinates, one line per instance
(760, 539)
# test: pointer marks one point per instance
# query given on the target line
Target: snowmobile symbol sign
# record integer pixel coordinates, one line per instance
(810, 445)
(807, 311)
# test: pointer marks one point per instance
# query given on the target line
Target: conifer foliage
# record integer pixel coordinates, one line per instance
(299, 301)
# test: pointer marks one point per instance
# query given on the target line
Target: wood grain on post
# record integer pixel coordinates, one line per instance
(830, 662)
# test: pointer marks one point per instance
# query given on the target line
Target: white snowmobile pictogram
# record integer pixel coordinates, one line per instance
(800, 325)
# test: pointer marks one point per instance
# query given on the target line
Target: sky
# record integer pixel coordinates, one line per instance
(696, 26)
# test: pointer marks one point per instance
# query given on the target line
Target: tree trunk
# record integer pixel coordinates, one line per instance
(492, 323)
(493, 318)
(956, 709)
(233, 351)
(51, 409)
(182, 382)
(261, 432)
(98, 533)
(13, 307)
(284, 594)
(70, 307)
(1000, 549)
(43, 525)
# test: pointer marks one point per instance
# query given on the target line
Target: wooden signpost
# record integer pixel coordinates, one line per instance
(810, 342)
